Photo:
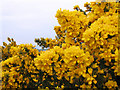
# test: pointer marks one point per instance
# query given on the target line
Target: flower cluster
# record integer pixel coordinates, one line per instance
(18, 70)
(69, 63)
(73, 24)
(47, 42)
(98, 9)
(110, 84)
(6, 48)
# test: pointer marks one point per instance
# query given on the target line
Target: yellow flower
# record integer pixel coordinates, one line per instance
(83, 86)
(86, 4)
(25, 86)
(90, 82)
(95, 81)
(76, 6)
(90, 70)
(46, 88)
(111, 84)
(62, 86)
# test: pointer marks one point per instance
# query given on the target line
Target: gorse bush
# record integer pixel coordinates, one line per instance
(18, 69)
(84, 54)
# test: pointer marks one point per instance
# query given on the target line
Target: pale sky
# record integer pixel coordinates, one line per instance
(25, 20)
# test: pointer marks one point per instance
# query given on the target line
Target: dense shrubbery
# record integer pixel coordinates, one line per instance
(84, 53)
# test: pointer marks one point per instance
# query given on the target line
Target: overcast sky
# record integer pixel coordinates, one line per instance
(25, 20)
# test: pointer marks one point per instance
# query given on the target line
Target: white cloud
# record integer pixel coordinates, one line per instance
(0, 25)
